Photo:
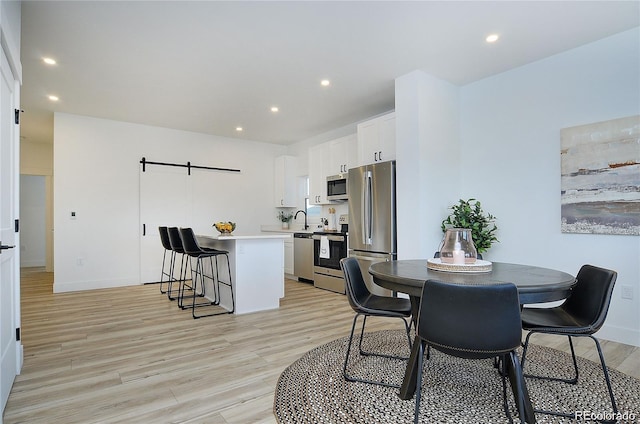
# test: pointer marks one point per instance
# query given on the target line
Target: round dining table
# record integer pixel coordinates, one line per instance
(535, 285)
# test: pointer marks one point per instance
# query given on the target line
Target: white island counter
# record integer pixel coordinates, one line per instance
(257, 269)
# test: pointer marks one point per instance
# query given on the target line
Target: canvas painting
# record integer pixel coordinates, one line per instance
(600, 179)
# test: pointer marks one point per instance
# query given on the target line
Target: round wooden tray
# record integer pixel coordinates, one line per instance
(479, 266)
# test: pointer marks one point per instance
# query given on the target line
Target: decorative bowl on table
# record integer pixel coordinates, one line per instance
(225, 228)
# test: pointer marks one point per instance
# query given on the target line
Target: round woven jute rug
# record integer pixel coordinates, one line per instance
(312, 389)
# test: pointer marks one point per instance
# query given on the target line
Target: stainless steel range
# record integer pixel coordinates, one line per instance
(328, 248)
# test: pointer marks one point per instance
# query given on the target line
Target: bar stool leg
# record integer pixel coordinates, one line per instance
(168, 274)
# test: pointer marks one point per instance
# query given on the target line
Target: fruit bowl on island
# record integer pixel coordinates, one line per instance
(225, 228)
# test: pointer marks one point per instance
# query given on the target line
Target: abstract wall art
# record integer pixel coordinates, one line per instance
(600, 181)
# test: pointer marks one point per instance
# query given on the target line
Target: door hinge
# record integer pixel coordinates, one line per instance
(17, 116)
(18, 334)
(17, 225)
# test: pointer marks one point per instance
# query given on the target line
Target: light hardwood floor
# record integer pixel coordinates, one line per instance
(130, 355)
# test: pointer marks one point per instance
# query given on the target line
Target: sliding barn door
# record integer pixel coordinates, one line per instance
(165, 200)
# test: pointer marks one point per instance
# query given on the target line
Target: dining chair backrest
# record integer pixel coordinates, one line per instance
(590, 298)
(470, 321)
(189, 242)
(175, 240)
(164, 238)
(355, 287)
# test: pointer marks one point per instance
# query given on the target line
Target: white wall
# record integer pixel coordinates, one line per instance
(36, 159)
(96, 165)
(32, 220)
(510, 131)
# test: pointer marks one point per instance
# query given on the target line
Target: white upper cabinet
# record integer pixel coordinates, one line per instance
(285, 182)
(343, 154)
(318, 161)
(377, 139)
(327, 159)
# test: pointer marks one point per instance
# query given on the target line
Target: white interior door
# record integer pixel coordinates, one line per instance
(165, 200)
(10, 348)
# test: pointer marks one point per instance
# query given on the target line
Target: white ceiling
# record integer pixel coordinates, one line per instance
(209, 66)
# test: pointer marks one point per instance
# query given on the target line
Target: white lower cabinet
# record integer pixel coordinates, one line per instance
(288, 256)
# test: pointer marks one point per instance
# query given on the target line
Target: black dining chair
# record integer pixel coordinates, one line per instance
(471, 322)
(199, 254)
(167, 266)
(580, 315)
(366, 304)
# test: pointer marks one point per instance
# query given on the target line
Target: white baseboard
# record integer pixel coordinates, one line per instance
(619, 334)
(32, 263)
(63, 287)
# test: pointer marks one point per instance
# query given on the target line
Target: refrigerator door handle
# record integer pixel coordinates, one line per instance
(367, 207)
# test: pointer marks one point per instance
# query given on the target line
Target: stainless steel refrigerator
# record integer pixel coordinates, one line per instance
(372, 217)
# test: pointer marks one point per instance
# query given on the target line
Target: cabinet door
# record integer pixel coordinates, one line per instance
(288, 256)
(377, 139)
(367, 142)
(343, 154)
(285, 184)
(336, 157)
(387, 137)
(318, 157)
(351, 152)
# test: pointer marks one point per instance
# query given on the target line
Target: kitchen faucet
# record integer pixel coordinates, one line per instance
(305, 217)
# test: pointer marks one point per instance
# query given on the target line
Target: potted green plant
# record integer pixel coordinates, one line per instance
(469, 214)
(285, 218)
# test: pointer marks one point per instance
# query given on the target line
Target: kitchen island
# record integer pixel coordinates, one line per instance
(257, 269)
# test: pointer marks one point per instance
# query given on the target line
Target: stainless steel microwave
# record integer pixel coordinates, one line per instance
(337, 187)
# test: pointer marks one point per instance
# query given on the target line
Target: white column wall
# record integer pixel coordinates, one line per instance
(96, 166)
(511, 160)
(427, 155)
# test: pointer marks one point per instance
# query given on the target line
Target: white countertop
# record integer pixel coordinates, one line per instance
(247, 237)
(292, 229)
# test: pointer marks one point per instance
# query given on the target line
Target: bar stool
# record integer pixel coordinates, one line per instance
(164, 238)
(193, 249)
(176, 246)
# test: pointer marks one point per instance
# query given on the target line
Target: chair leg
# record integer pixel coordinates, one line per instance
(228, 284)
(184, 285)
(382, 355)
(215, 281)
(346, 359)
(416, 412)
(170, 290)
(520, 383)
(573, 380)
(194, 305)
(168, 274)
(606, 375)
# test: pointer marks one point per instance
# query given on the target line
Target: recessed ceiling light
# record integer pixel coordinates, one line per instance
(492, 38)
(49, 61)
(274, 109)
(238, 129)
(54, 98)
(325, 83)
